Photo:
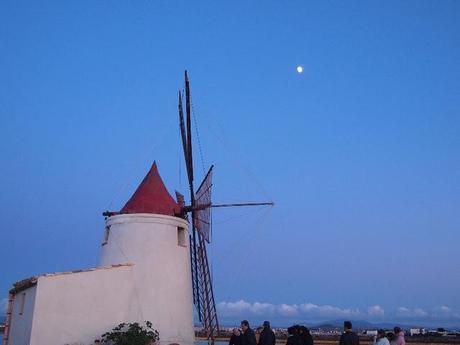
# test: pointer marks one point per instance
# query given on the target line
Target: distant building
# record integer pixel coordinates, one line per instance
(417, 331)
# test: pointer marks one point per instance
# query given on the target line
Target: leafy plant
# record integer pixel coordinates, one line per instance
(131, 334)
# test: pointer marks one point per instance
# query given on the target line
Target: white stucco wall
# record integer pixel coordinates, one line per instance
(21, 323)
(162, 277)
(78, 308)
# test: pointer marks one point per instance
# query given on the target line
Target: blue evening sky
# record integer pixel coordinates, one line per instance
(360, 153)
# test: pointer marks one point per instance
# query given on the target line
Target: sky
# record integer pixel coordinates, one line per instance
(360, 153)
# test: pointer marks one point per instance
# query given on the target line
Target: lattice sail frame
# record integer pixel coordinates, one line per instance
(203, 294)
(208, 305)
(202, 216)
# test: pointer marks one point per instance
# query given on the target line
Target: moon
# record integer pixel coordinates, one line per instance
(299, 69)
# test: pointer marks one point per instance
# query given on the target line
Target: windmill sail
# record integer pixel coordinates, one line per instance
(203, 295)
(205, 302)
(202, 217)
(200, 234)
(208, 305)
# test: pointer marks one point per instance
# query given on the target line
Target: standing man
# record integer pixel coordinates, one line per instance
(247, 337)
(267, 336)
(235, 339)
(348, 337)
(305, 336)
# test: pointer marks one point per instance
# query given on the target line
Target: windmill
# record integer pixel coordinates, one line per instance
(200, 226)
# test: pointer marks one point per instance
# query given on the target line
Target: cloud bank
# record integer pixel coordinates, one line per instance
(311, 311)
(442, 312)
(242, 307)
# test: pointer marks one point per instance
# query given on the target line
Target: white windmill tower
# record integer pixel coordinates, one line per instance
(148, 233)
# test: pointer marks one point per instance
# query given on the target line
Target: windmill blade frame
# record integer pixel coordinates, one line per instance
(203, 294)
(200, 224)
(186, 136)
(202, 220)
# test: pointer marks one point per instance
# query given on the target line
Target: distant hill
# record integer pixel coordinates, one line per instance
(325, 326)
(359, 325)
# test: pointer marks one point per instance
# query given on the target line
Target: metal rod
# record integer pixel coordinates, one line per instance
(192, 208)
(244, 204)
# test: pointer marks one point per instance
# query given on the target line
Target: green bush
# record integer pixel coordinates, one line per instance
(131, 334)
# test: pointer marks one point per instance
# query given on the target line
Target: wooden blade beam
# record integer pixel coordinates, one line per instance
(190, 208)
(186, 135)
(182, 130)
(189, 163)
(189, 131)
(244, 204)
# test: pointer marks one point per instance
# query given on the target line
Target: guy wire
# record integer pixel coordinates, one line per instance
(197, 135)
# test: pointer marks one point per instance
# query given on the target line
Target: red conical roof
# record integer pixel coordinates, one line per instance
(152, 196)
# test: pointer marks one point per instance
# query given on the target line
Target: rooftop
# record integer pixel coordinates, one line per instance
(152, 197)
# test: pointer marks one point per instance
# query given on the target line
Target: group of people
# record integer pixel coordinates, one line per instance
(300, 335)
(349, 337)
(246, 335)
(390, 338)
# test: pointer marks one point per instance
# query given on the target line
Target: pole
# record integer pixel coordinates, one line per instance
(244, 204)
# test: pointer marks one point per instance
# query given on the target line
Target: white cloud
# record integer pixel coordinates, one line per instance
(287, 310)
(263, 308)
(445, 312)
(444, 309)
(419, 312)
(243, 308)
(375, 310)
(411, 313)
(402, 310)
(232, 308)
(442, 312)
(327, 310)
